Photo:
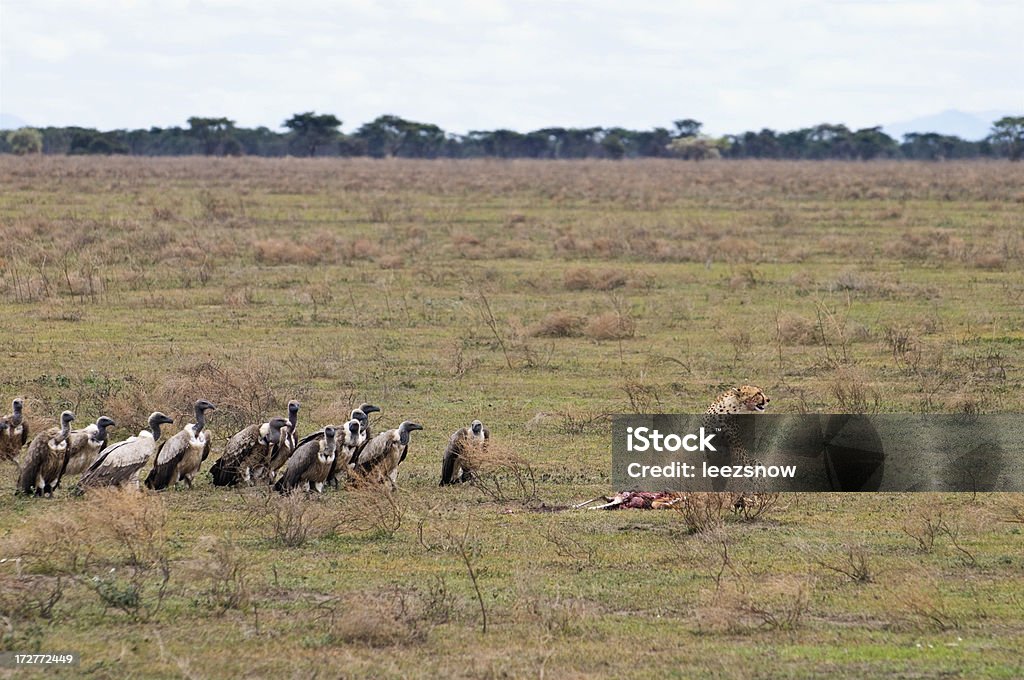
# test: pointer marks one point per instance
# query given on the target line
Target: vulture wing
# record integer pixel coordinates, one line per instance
(168, 456)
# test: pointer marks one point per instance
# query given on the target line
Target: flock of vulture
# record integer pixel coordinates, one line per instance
(268, 453)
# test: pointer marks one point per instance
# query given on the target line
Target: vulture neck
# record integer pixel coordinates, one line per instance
(155, 429)
(200, 421)
(101, 433)
(293, 420)
(65, 430)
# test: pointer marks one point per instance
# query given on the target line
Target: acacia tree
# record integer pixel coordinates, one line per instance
(1009, 133)
(313, 130)
(213, 133)
(25, 141)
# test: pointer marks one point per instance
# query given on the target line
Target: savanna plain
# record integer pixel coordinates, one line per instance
(539, 297)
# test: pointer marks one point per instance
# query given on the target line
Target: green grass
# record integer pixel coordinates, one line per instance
(131, 285)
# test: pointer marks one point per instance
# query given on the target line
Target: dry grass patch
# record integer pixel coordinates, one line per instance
(558, 325)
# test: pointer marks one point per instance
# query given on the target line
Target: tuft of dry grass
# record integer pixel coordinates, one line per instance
(558, 325)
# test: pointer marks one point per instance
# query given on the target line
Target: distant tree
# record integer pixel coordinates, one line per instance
(871, 143)
(25, 141)
(212, 133)
(613, 145)
(1008, 134)
(931, 146)
(687, 127)
(695, 148)
(313, 131)
(391, 135)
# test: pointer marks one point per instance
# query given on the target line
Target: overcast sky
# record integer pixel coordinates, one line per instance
(486, 64)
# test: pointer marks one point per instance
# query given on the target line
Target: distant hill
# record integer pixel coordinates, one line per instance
(970, 126)
(11, 122)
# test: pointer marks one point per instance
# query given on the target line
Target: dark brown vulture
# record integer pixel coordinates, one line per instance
(309, 465)
(180, 457)
(45, 460)
(381, 456)
(248, 453)
(13, 432)
(463, 446)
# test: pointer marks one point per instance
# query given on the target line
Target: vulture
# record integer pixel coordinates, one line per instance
(248, 451)
(120, 463)
(458, 464)
(179, 458)
(309, 465)
(381, 456)
(85, 444)
(366, 410)
(347, 457)
(46, 458)
(290, 441)
(13, 432)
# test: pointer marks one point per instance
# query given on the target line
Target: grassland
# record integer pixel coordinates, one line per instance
(538, 297)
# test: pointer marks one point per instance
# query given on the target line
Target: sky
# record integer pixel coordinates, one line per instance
(489, 64)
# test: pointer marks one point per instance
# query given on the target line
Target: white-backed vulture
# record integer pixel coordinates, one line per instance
(180, 457)
(463, 446)
(381, 456)
(45, 460)
(309, 465)
(119, 463)
(290, 439)
(14, 434)
(248, 452)
(85, 444)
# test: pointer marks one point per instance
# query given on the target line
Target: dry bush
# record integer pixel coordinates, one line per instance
(753, 506)
(920, 603)
(704, 512)
(243, 394)
(906, 348)
(610, 326)
(290, 520)
(502, 475)
(742, 601)
(131, 529)
(583, 278)
(575, 422)
(274, 251)
(224, 568)
(387, 617)
(775, 602)
(569, 545)
(367, 506)
(643, 395)
(558, 616)
(854, 563)
(558, 325)
(852, 394)
(794, 329)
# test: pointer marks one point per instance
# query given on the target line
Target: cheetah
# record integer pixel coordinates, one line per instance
(735, 401)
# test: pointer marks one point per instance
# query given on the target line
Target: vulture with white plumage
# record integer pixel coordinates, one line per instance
(180, 457)
(309, 465)
(46, 458)
(381, 456)
(85, 444)
(119, 463)
(248, 453)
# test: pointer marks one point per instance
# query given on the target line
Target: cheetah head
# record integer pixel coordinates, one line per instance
(751, 398)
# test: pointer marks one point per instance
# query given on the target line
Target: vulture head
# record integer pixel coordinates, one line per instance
(405, 428)
(156, 419)
(369, 408)
(276, 424)
(477, 427)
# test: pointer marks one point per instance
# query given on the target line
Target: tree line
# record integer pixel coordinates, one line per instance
(312, 134)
